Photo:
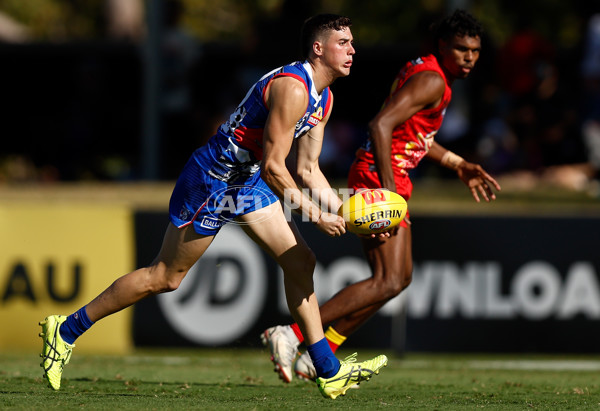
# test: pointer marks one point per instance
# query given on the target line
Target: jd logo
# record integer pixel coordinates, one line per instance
(223, 294)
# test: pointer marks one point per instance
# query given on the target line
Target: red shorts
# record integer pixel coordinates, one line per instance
(362, 176)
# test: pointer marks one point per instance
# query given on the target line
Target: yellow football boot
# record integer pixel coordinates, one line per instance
(55, 352)
(350, 374)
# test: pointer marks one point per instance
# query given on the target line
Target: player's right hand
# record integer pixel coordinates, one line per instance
(331, 224)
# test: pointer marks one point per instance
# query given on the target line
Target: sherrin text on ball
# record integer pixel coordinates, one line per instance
(373, 210)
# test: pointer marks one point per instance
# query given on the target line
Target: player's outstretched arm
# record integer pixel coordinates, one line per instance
(287, 100)
(421, 91)
(478, 181)
(473, 175)
(311, 176)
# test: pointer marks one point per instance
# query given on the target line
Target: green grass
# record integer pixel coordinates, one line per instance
(243, 379)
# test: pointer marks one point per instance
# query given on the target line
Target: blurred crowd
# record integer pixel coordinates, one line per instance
(530, 113)
(538, 118)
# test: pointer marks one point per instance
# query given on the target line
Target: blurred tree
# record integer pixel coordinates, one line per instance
(556, 20)
(57, 20)
(382, 22)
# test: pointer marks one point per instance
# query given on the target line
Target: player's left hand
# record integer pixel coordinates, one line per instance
(478, 181)
(383, 235)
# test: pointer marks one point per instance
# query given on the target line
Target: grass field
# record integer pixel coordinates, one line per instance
(243, 379)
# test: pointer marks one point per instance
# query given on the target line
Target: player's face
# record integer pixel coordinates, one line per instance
(338, 51)
(460, 54)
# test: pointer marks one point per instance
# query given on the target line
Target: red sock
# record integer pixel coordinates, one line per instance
(333, 345)
(297, 331)
(334, 338)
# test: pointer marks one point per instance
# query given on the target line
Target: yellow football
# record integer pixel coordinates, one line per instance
(373, 211)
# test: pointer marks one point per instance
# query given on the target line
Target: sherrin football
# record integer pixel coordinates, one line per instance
(373, 211)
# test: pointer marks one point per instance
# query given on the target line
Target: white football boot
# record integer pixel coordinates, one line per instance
(283, 345)
(304, 368)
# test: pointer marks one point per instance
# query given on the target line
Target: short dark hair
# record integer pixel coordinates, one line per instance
(314, 26)
(459, 23)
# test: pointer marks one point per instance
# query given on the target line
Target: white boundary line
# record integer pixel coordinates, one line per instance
(533, 365)
(543, 365)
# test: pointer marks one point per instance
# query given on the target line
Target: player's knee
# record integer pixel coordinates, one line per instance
(163, 280)
(403, 277)
(300, 270)
(406, 280)
(309, 262)
(396, 282)
(393, 288)
(171, 284)
(304, 262)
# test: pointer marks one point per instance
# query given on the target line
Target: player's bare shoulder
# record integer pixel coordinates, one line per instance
(427, 87)
(286, 90)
